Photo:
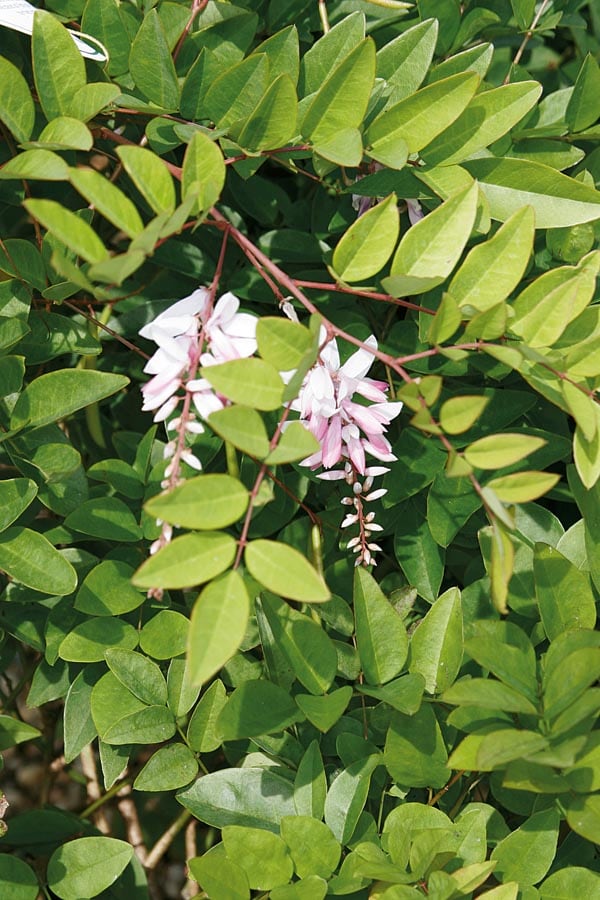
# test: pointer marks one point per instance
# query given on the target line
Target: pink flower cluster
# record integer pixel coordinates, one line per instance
(346, 430)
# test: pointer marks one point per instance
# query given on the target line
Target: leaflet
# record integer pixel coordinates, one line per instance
(18, 15)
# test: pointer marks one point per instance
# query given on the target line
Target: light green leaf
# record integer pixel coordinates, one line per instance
(34, 165)
(233, 95)
(262, 855)
(347, 796)
(573, 881)
(165, 634)
(436, 647)
(218, 624)
(285, 571)
(369, 242)
(151, 65)
(251, 382)
(405, 60)
(587, 457)
(493, 269)
(151, 725)
(56, 395)
(564, 593)
(583, 108)
(273, 122)
(89, 641)
(150, 176)
(69, 228)
(105, 22)
(18, 879)
(248, 796)
(202, 733)
(282, 50)
(526, 854)
(495, 451)
(430, 249)
(219, 875)
(105, 517)
(523, 487)
(415, 754)
(111, 701)
(16, 494)
(30, 559)
(58, 67)
(243, 427)
(91, 99)
(138, 674)
(489, 115)
(323, 712)
(204, 503)
(306, 646)
(310, 784)
(16, 105)
(460, 413)
(187, 561)
(312, 846)
(329, 51)
(295, 443)
(341, 103)
(417, 119)
(108, 200)
(87, 866)
(557, 200)
(257, 707)
(168, 769)
(107, 590)
(380, 633)
(66, 133)
(203, 171)
(489, 694)
(281, 342)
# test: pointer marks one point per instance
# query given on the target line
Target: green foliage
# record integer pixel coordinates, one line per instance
(182, 630)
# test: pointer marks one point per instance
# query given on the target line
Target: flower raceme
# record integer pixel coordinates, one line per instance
(191, 333)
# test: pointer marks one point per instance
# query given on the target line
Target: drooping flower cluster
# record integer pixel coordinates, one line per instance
(348, 431)
(189, 334)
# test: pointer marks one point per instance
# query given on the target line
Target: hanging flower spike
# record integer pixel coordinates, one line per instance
(348, 431)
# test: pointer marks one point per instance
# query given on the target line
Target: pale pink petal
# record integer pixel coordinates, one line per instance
(360, 362)
(332, 445)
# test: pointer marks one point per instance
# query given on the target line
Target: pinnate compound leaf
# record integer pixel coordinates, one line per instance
(150, 176)
(68, 228)
(168, 769)
(56, 395)
(285, 571)
(262, 855)
(430, 249)
(16, 104)
(499, 450)
(188, 560)
(15, 496)
(557, 200)
(58, 67)
(436, 648)
(206, 502)
(369, 242)
(30, 559)
(87, 866)
(249, 796)
(527, 853)
(381, 637)
(203, 171)
(257, 707)
(251, 382)
(218, 624)
(151, 64)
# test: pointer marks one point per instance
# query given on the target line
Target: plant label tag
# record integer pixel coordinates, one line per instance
(18, 15)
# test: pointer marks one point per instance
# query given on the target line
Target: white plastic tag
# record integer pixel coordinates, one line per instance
(18, 15)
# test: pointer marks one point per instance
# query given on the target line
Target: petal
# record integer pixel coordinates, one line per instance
(332, 444)
(360, 362)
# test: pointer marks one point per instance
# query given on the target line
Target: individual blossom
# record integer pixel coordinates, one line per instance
(348, 431)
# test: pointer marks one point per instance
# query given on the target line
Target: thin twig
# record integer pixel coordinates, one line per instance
(90, 772)
(129, 814)
(527, 38)
(197, 7)
(166, 839)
